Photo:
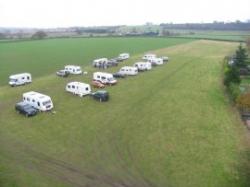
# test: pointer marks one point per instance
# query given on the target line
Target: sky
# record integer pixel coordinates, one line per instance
(66, 13)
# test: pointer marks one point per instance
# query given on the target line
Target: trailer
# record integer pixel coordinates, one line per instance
(37, 100)
(78, 88)
(72, 69)
(105, 78)
(148, 56)
(143, 66)
(128, 70)
(20, 79)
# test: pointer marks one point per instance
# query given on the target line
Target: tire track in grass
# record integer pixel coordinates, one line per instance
(58, 169)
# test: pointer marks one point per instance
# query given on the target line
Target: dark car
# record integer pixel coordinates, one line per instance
(112, 62)
(62, 73)
(119, 75)
(26, 109)
(101, 95)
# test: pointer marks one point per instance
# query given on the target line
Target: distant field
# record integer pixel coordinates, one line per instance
(45, 57)
(167, 127)
(217, 35)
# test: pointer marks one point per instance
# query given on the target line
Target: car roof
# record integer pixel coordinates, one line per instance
(101, 91)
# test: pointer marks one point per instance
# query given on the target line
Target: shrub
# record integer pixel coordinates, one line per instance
(231, 75)
(234, 91)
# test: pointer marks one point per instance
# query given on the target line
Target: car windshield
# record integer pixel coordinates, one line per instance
(13, 80)
(46, 102)
(110, 79)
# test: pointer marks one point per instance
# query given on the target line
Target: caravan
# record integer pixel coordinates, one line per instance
(101, 62)
(20, 79)
(123, 56)
(78, 88)
(72, 69)
(37, 100)
(105, 78)
(143, 66)
(128, 70)
(155, 61)
(148, 56)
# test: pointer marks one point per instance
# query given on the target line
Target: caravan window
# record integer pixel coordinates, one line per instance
(46, 102)
(68, 86)
(28, 99)
(86, 88)
(73, 86)
(33, 100)
(22, 77)
(103, 77)
(98, 77)
(24, 98)
(28, 77)
(38, 103)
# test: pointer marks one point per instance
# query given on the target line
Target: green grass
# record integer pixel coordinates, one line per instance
(215, 35)
(45, 57)
(167, 127)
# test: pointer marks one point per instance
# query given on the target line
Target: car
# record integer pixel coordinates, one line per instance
(97, 84)
(101, 95)
(165, 58)
(25, 109)
(119, 75)
(62, 73)
(112, 62)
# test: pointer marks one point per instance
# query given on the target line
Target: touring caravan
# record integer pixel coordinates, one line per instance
(72, 69)
(105, 78)
(123, 56)
(148, 56)
(128, 70)
(20, 79)
(143, 66)
(37, 100)
(101, 62)
(156, 61)
(78, 88)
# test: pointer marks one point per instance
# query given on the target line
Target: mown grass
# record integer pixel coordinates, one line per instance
(45, 57)
(167, 127)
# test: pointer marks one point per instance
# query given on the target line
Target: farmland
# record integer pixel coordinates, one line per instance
(45, 57)
(171, 126)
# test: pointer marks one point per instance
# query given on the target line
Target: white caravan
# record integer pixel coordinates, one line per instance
(143, 66)
(99, 62)
(20, 79)
(156, 61)
(105, 78)
(37, 100)
(124, 56)
(128, 70)
(78, 88)
(148, 56)
(72, 69)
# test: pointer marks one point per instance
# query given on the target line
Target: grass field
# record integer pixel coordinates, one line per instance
(45, 57)
(215, 35)
(167, 127)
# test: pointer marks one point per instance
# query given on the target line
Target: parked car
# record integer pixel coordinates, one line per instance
(97, 84)
(101, 95)
(25, 109)
(62, 73)
(112, 62)
(165, 58)
(119, 75)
